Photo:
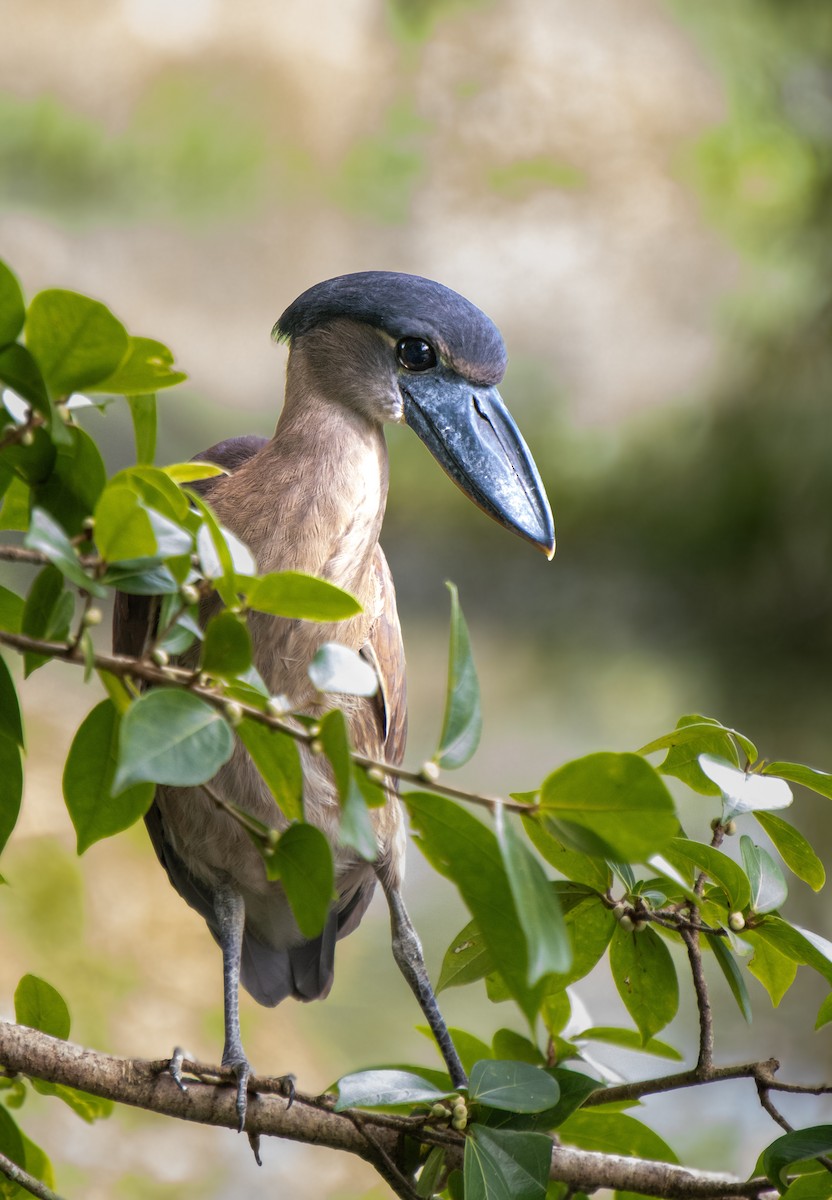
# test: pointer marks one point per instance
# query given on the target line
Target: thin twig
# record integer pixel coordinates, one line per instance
(23, 1179)
(705, 1063)
(682, 1079)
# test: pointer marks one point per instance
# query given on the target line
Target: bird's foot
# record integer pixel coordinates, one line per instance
(242, 1069)
(175, 1068)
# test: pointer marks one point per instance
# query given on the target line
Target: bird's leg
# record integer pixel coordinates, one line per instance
(229, 909)
(407, 951)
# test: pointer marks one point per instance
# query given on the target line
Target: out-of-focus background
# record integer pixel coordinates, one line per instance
(639, 194)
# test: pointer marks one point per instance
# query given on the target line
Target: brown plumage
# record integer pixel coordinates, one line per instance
(312, 499)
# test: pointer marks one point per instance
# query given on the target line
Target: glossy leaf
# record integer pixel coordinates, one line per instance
(11, 610)
(466, 960)
(768, 887)
(156, 488)
(20, 372)
(507, 1044)
(691, 728)
(718, 867)
(614, 805)
(628, 1039)
(276, 757)
(11, 791)
(463, 849)
(341, 670)
(501, 1164)
(816, 781)
(794, 849)
(38, 1005)
(291, 594)
(515, 1086)
(221, 554)
(46, 536)
(802, 945)
(46, 614)
(76, 480)
(547, 941)
(190, 472)
(226, 650)
(733, 977)
(645, 976)
(171, 737)
(462, 722)
(682, 759)
(775, 970)
(581, 868)
(614, 1133)
(381, 1089)
(816, 1185)
(798, 1146)
(12, 308)
(88, 781)
(743, 792)
(469, 1048)
(11, 1143)
(824, 1013)
(143, 412)
(77, 341)
(11, 725)
(147, 367)
(89, 1108)
(302, 861)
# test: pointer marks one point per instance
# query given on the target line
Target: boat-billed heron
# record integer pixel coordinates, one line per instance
(364, 349)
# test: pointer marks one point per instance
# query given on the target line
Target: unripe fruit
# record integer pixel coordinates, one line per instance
(376, 776)
(189, 593)
(160, 657)
(736, 921)
(316, 747)
(233, 712)
(731, 827)
(88, 524)
(278, 706)
(93, 616)
(626, 922)
(638, 925)
(429, 772)
(460, 1109)
(27, 437)
(459, 1123)
(620, 910)
(439, 1110)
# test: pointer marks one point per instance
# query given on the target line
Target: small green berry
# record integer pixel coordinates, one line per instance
(459, 1123)
(626, 922)
(278, 706)
(375, 775)
(189, 593)
(316, 746)
(736, 921)
(429, 771)
(93, 616)
(233, 712)
(27, 437)
(731, 827)
(160, 657)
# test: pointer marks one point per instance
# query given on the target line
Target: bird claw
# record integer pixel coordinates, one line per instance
(175, 1068)
(242, 1069)
(288, 1088)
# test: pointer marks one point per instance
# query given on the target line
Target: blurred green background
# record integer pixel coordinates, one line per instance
(639, 194)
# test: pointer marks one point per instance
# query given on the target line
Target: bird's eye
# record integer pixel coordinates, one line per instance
(414, 354)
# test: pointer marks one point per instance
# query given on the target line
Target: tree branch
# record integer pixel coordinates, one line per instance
(23, 1179)
(312, 1120)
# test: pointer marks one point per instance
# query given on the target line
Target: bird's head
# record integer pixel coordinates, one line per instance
(403, 348)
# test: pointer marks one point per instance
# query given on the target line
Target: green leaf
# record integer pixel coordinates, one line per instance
(381, 1089)
(189, 472)
(46, 614)
(768, 887)
(801, 945)
(145, 368)
(508, 1044)
(171, 737)
(75, 482)
(341, 670)
(469, 1048)
(794, 849)
(38, 1005)
(742, 791)
(12, 308)
(645, 976)
(817, 1185)
(37, 1163)
(11, 792)
(682, 759)
(32, 463)
(158, 491)
(574, 1089)
(692, 728)
(501, 1164)
(292, 594)
(76, 340)
(816, 781)
(11, 1143)
(795, 1147)
(465, 851)
(46, 536)
(590, 925)
(775, 970)
(302, 860)
(429, 1177)
(11, 610)
(143, 412)
(226, 650)
(514, 1086)
(11, 725)
(89, 1108)
(462, 722)
(126, 530)
(614, 1133)
(614, 805)
(719, 867)
(20, 372)
(580, 868)
(538, 911)
(88, 781)
(466, 960)
(729, 968)
(628, 1039)
(824, 1013)
(276, 757)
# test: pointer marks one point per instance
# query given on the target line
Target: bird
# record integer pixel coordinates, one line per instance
(365, 349)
